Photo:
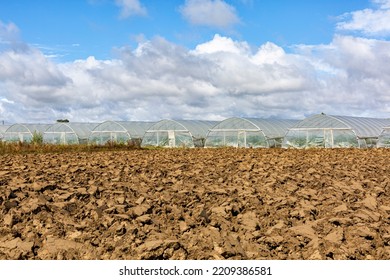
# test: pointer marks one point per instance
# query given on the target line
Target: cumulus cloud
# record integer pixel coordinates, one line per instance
(9, 32)
(240, 72)
(131, 8)
(10, 37)
(212, 13)
(370, 22)
(216, 79)
(26, 75)
(351, 73)
(223, 44)
(156, 80)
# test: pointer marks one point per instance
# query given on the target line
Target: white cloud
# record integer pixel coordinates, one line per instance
(384, 4)
(28, 79)
(222, 44)
(30, 68)
(269, 53)
(158, 79)
(8, 32)
(10, 37)
(131, 8)
(370, 22)
(212, 13)
(351, 73)
(214, 80)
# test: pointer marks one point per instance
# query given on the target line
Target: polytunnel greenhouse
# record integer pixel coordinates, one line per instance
(3, 128)
(335, 132)
(384, 138)
(177, 133)
(119, 132)
(24, 132)
(248, 132)
(68, 133)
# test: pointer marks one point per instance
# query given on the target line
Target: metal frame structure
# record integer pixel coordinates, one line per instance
(68, 133)
(177, 133)
(384, 138)
(248, 133)
(118, 132)
(329, 131)
(23, 132)
(3, 129)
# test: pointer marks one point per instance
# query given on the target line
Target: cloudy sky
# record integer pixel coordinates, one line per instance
(97, 60)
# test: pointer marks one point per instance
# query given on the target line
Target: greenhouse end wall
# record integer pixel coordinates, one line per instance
(61, 138)
(321, 138)
(68, 133)
(119, 132)
(328, 131)
(3, 129)
(240, 139)
(170, 139)
(384, 138)
(101, 138)
(177, 133)
(25, 133)
(248, 133)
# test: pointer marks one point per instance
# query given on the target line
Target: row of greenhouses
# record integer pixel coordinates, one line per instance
(320, 130)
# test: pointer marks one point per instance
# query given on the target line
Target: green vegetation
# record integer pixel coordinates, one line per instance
(37, 138)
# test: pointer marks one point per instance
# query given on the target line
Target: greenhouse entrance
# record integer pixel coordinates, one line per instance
(250, 138)
(171, 138)
(384, 138)
(328, 138)
(113, 137)
(63, 138)
(241, 141)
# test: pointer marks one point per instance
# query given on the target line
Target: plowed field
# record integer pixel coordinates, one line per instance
(196, 204)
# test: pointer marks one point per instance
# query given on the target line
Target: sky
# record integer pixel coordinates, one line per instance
(98, 60)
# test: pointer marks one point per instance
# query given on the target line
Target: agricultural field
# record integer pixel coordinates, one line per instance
(197, 204)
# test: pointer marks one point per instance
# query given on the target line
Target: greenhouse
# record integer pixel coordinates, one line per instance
(335, 132)
(119, 132)
(384, 138)
(3, 128)
(177, 133)
(68, 133)
(24, 132)
(248, 133)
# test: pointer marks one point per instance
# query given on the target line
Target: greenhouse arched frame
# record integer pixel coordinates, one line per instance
(177, 133)
(248, 133)
(384, 138)
(24, 132)
(68, 133)
(122, 132)
(3, 129)
(329, 131)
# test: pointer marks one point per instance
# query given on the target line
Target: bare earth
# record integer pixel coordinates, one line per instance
(196, 204)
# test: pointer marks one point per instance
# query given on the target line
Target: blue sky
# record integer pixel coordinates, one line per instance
(77, 29)
(93, 60)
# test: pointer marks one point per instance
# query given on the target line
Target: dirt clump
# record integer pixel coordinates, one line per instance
(196, 204)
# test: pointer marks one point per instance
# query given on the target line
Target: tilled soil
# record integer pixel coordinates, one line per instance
(196, 204)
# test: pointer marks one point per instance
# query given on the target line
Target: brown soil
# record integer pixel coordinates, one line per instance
(196, 204)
